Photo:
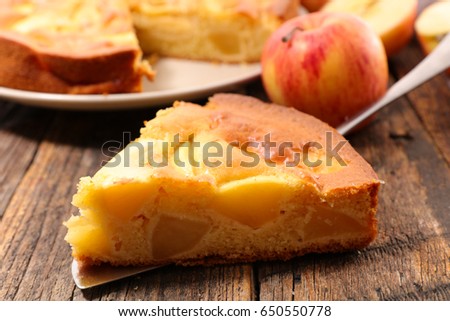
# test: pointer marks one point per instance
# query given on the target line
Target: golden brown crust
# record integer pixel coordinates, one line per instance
(238, 118)
(288, 125)
(330, 247)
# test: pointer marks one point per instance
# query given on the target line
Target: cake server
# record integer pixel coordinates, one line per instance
(435, 63)
(89, 276)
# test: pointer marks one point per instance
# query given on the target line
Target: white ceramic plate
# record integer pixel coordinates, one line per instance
(176, 79)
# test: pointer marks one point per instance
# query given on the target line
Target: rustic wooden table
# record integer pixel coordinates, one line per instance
(45, 152)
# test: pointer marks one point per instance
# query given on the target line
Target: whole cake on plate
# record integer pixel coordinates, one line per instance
(91, 47)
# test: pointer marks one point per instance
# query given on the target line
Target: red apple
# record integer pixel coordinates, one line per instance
(330, 65)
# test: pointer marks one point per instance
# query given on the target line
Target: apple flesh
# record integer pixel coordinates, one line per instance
(432, 26)
(329, 65)
(392, 20)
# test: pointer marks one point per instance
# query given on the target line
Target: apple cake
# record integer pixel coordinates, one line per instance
(71, 46)
(238, 180)
(90, 47)
(215, 30)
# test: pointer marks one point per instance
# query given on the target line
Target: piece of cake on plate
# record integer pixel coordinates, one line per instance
(238, 180)
(70, 46)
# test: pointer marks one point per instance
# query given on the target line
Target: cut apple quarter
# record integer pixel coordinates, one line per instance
(188, 209)
(433, 24)
(393, 21)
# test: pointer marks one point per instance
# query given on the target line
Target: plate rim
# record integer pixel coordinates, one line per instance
(143, 99)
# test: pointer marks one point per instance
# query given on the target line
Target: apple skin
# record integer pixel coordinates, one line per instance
(313, 5)
(332, 67)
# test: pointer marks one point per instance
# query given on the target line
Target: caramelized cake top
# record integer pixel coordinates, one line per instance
(235, 137)
(251, 8)
(75, 27)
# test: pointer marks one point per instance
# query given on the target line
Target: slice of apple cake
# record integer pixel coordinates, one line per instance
(237, 180)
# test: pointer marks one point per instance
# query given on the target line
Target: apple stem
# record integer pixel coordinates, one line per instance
(289, 36)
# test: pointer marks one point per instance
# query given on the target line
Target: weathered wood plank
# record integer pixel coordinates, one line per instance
(5, 108)
(223, 282)
(18, 143)
(431, 101)
(32, 222)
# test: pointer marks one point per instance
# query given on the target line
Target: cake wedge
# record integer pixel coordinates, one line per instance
(237, 180)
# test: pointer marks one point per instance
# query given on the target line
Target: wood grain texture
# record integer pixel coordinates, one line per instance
(32, 222)
(19, 142)
(430, 101)
(45, 152)
(225, 282)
